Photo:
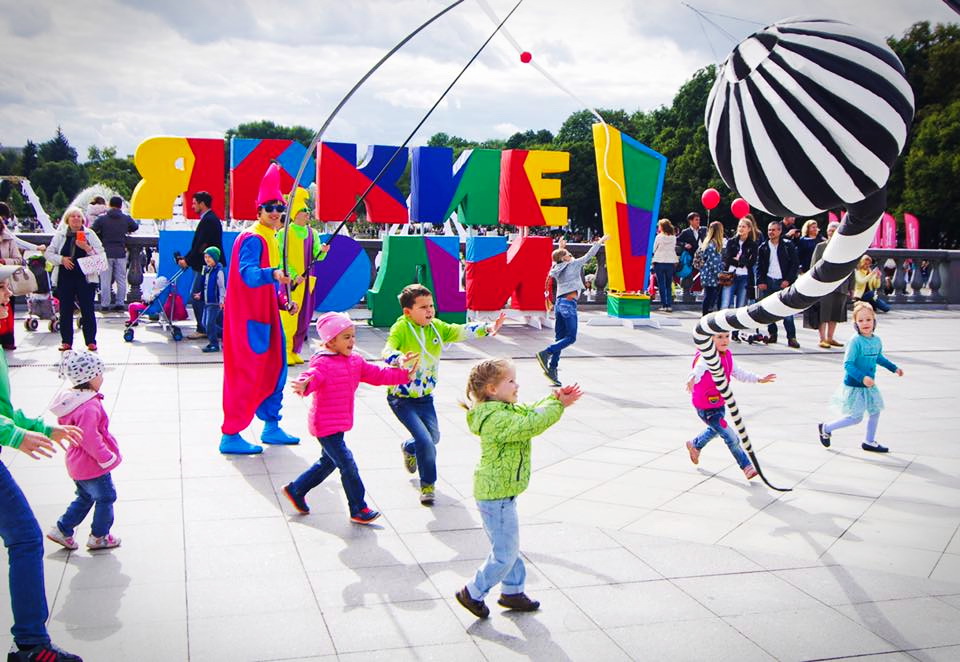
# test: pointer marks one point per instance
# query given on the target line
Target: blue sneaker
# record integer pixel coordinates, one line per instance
(42, 653)
(210, 348)
(296, 499)
(234, 444)
(365, 516)
(274, 436)
(543, 358)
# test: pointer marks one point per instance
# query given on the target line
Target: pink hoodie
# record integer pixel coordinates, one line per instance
(97, 453)
(333, 381)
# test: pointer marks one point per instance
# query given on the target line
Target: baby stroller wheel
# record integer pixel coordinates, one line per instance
(128, 335)
(54, 325)
(31, 323)
(177, 334)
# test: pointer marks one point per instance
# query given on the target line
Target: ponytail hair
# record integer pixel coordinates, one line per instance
(483, 374)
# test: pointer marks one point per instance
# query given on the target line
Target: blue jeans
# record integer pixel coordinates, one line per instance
(711, 295)
(773, 285)
(96, 493)
(420, 419)
(734, 296)
(873, 420)
(564, 329)
(717, 426)
(24, 542)
(115, 273)
(212, 316)
(870, 296)
(335, 455)
(504, 565)
(664, 272)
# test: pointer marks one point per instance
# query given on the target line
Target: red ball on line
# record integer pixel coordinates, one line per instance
(525, 57)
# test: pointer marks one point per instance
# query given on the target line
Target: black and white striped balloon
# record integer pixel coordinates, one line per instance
(807, 115)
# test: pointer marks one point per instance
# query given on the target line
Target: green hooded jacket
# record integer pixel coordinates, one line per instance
(505, 431)
(14, 422)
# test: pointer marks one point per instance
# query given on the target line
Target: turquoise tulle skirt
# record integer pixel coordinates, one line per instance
(858, 400)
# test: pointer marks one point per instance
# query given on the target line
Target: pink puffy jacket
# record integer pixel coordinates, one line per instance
(97, 453)
(333, 381)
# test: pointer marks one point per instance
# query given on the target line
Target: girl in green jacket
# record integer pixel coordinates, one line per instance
(505, 429)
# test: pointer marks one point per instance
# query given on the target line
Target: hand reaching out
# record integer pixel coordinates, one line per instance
(66, 435)
(899, 372)
(36, 444)
(300, 386)
(767, 379)
(569, 394)
(410, 361)
(497, 323)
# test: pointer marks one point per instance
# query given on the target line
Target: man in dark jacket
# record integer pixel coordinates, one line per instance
(113, 228)
(777, 265)
(688, 242)
(209, 233)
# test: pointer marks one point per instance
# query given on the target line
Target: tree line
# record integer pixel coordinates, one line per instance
(922, 183)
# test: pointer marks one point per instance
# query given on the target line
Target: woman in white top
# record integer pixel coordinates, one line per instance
(665, 262)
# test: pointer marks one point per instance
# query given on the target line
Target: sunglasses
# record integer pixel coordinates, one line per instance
(270, 208)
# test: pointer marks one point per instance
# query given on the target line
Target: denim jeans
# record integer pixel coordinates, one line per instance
(564, 329)
(664, 272)
(420, 419)
(870, 296)
(116, 272)
(735, 296)
(716, 425)
(773, 285)
(212, 316)
(96, 493)
(873, 420)
(24, 542)
(504, 565)
(335, 455)
(711, 296)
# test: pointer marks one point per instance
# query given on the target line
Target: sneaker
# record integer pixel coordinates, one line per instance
(298, 501)
(543, 358)
(475, 607)
(409, 459)
(427, 494)
(64, 347)
(553, 377)
(57, 536)
(92, 347)
(196, 335)
(210, 348)
(365, 516)
(518, 602)
(749, 472)
(771, 340)
(824, 436)
(874, 448)
(694, 452)
(668, 309)
(42, 653)
(793, 342)
(108, 541)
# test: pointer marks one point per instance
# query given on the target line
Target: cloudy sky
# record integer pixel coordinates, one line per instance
(113, 72)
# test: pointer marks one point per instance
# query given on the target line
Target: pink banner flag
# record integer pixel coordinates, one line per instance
(889, 225)
(878, 237)
(912, 225)
(831, 217)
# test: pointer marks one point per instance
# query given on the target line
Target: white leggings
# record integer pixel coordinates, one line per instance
(872, 421)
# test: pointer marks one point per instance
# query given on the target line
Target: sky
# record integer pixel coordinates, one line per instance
(114, 72)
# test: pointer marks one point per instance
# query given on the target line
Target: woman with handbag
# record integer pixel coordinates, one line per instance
(739, 257)
(78, 259)
(9, 254)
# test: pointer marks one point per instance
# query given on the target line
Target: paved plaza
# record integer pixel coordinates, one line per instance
(635, 553)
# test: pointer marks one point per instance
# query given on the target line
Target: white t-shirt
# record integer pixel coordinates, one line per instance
(774, 271)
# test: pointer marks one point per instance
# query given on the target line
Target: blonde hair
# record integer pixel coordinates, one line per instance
(805, 230)
(863, 261)
(482, 375)
(666, 227)
(70, 211)
(754, 230)
(715, 235)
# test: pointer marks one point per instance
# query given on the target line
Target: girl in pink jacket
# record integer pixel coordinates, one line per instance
(90, 462)
(332, 377)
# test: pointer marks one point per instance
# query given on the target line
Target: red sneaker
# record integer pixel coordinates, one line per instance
(749, 471)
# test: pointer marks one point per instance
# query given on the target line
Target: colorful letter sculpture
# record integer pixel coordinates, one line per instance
(630, 176)
(165, 164)
(249, 159)
(495, 274)
(432, 261)
(343, 276)
(471, 187)
(341, 181)
(522, 187)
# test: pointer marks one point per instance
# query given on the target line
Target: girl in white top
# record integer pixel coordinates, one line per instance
(665, 262)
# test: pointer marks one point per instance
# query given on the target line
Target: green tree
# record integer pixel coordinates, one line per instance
(579, 126)
(64, 175)
(29, 159)
(58, 204)
(268, 129)
(103, 167)
(57, 148)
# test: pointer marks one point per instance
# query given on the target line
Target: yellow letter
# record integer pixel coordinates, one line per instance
(165, 163)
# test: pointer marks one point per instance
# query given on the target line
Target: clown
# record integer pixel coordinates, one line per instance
(254, 369)
(304, 247)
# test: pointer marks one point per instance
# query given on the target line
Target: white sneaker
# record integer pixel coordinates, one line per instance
(108, 541)
(57, 536)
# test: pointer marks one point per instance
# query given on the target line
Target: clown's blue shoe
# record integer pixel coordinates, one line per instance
(234, 444)
(274, 436)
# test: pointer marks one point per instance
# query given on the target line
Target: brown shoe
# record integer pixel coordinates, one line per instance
(475, 607)
(196, 335)
(518, 602)
(694, 452)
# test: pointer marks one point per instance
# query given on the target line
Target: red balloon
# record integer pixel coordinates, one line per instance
(710, 198)
(525, 57)
(739, 208)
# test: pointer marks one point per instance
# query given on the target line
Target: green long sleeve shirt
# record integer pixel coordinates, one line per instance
(13, 422)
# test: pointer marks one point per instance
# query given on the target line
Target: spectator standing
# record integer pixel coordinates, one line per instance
(209, 233)
(97, 208)
(9, 255)
(809, 238)
(777, 270)
(712, 247)
(688, 241)
(665, 262)
(113, 228)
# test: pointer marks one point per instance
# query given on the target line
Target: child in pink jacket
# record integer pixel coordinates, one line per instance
(332, 377)
(90, 462)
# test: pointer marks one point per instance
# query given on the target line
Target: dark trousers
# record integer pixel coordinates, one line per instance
(335, 455)
(711, 298)
(197, 288)
(773, 286)
(74, 290)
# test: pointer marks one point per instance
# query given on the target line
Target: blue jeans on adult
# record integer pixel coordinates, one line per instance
(24, 542)
(564, 329)
(773, 285)
(335, 455)
(716, 425)
(735, 296)
(664, 272)
(504, 565)
(420, 418)
(870, 296)
(96, 493)
(711, 296)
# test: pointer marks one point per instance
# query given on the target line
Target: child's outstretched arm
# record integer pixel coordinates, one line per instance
(523, 422)
(380, 375)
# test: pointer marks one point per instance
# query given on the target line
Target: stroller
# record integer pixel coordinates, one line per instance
(164, 294)
(41, 304)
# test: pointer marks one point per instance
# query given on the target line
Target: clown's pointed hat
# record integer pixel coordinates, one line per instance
(299, 204)
(270, 185)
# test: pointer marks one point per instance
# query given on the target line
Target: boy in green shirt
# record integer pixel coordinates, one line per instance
(417, 331)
